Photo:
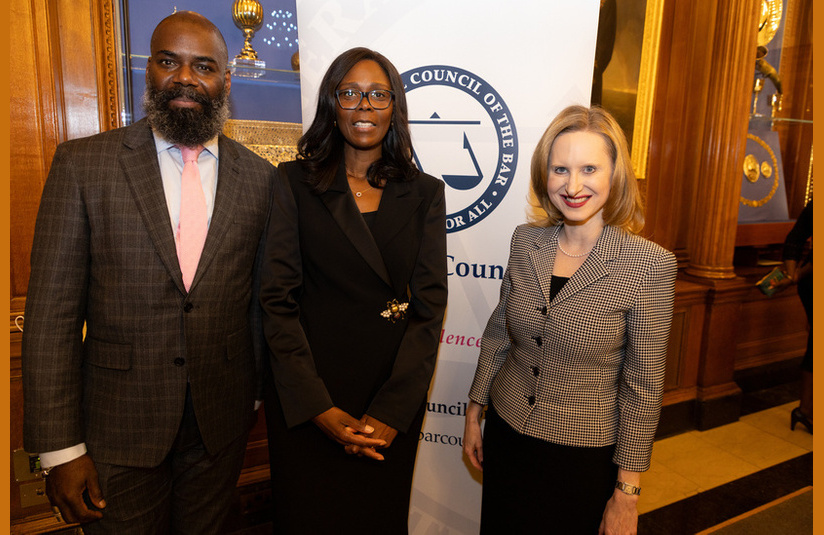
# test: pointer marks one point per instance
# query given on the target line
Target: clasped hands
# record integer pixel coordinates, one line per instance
(358, 437)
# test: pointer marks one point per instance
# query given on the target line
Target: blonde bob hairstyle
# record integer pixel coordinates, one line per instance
(624, 208)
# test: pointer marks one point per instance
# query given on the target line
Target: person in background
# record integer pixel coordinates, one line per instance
(354, 292)
(572, 360)
(798, 270)
(148, 236)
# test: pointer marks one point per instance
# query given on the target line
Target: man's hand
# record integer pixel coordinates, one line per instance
(65, 485)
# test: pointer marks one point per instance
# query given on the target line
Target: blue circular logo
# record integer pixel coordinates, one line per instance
(457, 141)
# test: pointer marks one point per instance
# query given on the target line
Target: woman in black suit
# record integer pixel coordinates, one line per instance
(572, 360)
(354, 293)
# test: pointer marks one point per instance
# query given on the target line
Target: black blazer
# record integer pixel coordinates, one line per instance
(327, 277)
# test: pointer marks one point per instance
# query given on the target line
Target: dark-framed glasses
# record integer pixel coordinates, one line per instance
(350, 99)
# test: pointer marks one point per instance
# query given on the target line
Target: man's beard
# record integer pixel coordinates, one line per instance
(185, 126)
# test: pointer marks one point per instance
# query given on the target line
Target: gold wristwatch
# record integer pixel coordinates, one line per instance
(626, 488)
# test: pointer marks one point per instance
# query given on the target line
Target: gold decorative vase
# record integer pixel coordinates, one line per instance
(248, 16)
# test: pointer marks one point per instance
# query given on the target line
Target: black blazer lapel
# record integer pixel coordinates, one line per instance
(341, 205)
(139, 165)
(398, 204)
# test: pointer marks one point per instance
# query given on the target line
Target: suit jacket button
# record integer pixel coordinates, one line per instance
(180, 361)
(531, 400)
(188, 307)
(535, 371)
(538, 340)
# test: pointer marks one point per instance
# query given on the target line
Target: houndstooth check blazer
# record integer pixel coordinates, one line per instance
(587, 368)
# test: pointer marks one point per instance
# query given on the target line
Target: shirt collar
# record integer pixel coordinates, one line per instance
(161, 144)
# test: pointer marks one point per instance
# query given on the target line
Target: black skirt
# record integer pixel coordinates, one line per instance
(318, 489)
(534, 486)
(805, 292)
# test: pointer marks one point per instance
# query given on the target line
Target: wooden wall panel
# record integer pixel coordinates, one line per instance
(74, 55)
(66, 48)
(771, 330)
(34, 126)
(16, 511)
(55, 96)
(685, 341)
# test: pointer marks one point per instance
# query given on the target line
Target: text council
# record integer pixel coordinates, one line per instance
(444, 75)
(474, 270)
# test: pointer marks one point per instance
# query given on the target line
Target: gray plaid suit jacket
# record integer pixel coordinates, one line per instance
(587, 368)
(104, 254)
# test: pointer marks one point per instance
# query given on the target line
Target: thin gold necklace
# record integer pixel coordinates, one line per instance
(360, 193)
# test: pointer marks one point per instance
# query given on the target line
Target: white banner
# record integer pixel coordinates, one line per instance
(483, 79)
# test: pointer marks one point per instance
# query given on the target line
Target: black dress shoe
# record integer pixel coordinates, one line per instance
(798, 416)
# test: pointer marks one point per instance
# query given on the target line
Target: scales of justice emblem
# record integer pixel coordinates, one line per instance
(468, 139)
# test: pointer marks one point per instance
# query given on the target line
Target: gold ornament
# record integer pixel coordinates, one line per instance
(769, 20)
(395, 311)
(762, 201)
(766, 169)
(751, 168)
(248, 16)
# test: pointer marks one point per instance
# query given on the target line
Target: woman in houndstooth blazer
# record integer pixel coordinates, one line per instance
(573, 357)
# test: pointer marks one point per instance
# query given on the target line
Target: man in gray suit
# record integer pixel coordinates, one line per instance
(142, 421)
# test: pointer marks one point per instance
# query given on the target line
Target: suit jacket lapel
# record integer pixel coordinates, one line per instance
(342, 206)
(398, 204)
(225, 205)
(543, 259)
(596, 266)
(142, 172)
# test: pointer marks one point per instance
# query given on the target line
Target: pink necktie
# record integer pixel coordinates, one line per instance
(193, 226)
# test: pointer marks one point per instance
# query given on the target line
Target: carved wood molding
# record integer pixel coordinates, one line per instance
(34, 128)
(106, 42)
(646, 87)
(69, 53)
(271, 140)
